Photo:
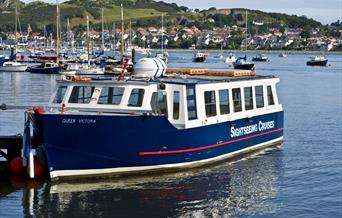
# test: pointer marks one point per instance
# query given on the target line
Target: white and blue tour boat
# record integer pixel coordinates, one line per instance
(156, 120)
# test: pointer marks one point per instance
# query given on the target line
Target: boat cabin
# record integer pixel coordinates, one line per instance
(186, 102)
(48, 65)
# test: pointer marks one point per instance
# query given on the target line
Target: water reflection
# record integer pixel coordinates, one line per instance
(246, 187)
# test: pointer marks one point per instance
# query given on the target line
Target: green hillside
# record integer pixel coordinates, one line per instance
(142, 12)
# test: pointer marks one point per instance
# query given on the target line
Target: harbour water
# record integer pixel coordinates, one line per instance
(301, 178)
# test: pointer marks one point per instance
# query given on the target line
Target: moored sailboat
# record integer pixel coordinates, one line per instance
(13, 66)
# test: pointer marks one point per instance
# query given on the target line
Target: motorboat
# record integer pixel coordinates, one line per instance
(260, 58)
(199, 57)
(242, 63)
(11, 66)
(317, 61)
(45, 68)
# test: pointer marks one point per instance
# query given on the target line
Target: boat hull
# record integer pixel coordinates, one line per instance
(53, 70)
(13, 68)
(88, 145)
(243, 66)
(198, 59)
(260, 59)
(317, 63)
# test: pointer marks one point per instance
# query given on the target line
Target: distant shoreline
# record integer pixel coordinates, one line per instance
(256, 51)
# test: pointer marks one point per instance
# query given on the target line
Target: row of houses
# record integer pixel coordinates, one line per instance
(290, 38)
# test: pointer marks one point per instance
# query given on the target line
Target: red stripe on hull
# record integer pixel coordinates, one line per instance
(208, 146)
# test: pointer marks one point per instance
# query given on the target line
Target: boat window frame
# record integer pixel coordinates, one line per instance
(113, 87)
(191, 97)
(210, 106)
(155, 103)
(176, 113)
(90, 98)
(270, 96)
(227, 110)
(140, 100)
(56, 94)
(234, 101)
(259, 95)
(248, 99)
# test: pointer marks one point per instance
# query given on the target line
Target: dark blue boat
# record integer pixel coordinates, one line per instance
(45, 68)
(242, 64)
(317, 61)
(97, 128)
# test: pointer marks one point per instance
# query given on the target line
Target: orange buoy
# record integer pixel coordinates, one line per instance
(16, 166)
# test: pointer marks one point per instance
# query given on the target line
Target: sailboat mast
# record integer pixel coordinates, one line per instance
(68, 33)
(130, 33)
(114, 39)
(57, 31)
(246, 30)
(103, 44)
(45, 36)
(122, 35)
(162, 35)
(16, 27)
(88, 39)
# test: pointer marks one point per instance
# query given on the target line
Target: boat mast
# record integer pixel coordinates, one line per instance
(130, 33)
(46, 37)
(68, 33)
(16, 28)
(103, 44)
(114, 33)
(162, 35)
(57, 30)
(122, 35)
(88, 39)
(246, 30)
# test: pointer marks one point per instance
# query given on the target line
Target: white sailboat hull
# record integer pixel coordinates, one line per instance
(21, 68)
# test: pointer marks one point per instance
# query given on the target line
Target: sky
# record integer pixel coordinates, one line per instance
(325, 11)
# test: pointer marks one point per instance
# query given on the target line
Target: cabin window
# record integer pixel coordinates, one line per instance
(224, 101)
(191, 102)
(111, 95)
(259, 96)
(81, 94)
(270, 95)
(237, 99)
(176, 105)
(210, 103)
(60, 95)
(136, 98)
(248, 93)
(159, 103)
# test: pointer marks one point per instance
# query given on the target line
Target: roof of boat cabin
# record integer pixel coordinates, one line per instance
(185, 80)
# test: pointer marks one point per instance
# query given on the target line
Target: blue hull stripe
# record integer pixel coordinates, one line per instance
(208, 146)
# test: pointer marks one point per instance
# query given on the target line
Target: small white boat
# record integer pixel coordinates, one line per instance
(11, 66)
(220, 56)
(230, 59)
(282, 55)
(80, 69)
